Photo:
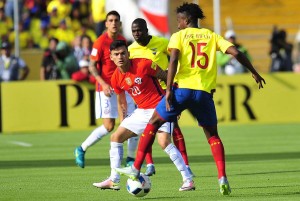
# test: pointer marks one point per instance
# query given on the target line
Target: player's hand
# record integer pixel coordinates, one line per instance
(169, 97)
(108, 90)
(259, 80)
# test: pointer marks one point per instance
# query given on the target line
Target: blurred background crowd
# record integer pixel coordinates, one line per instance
(41, 19)
(65, 30)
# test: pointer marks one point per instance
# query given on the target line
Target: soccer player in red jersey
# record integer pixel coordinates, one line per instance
(139, 78)
(102, 68)
(193, 65)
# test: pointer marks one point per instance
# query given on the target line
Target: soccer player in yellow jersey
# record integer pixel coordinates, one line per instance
(155, 49)
(193, 65)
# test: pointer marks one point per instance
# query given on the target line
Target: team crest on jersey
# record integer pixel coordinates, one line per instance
(153, 65)
(138, 80)
(128, 81)
(154, 50)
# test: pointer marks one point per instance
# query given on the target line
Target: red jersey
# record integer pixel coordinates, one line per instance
(140, 83)
(101, 54)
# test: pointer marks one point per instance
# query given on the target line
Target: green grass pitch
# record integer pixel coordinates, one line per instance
(263, 163)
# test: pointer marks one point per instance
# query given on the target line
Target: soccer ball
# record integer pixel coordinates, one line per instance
(140, 187)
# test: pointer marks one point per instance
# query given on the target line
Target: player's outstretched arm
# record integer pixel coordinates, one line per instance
(245, 62)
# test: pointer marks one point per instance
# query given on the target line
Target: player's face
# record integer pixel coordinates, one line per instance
(120, 56)
(5, 52)
(113, 24)
(181, 21)
(139, 33)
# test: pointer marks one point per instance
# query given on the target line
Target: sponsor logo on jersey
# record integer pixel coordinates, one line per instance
(153, 65)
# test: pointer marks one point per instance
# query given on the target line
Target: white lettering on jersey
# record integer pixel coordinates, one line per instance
(134, 91)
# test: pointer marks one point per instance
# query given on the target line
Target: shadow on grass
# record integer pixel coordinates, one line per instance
(105, 162)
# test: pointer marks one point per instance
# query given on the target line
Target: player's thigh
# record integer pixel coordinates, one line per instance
(203, 108)
(121, 135)
(138, 120)
(106, 107)
(162, 112)
(179, 103)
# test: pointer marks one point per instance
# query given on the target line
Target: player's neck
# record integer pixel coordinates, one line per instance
(193, 26)
(112, 35)
(124, 69)
(146, 41)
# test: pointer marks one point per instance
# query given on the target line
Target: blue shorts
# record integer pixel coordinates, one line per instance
(199, 103)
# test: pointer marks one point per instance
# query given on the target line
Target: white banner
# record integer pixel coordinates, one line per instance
(156, 11)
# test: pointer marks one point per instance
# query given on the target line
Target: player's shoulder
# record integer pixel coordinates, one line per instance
(133, 45)
(100, 40)
(115, 74)
(121, 37)
(101, 37)
(141, 62)
(159, 39)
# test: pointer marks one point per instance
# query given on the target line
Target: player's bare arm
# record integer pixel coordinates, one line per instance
(162, 75)
(172, 69)
(245, 62)
(107, 89)
(122, 105)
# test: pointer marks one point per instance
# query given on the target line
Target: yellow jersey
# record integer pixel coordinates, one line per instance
(155, 50)
(197, 66)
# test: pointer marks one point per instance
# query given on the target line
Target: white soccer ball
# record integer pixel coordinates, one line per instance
(140, 187)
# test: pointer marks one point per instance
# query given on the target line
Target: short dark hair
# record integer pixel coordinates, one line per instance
(140, 21)
(116, 44)
(113, 12)
(191, 10)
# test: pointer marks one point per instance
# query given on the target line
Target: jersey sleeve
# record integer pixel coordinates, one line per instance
(96, 50)
(165, 46)
(222, 44)
(114, 83)
(174, 42)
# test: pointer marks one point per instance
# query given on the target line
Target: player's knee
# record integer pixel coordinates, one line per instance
(115, 137)
(109, 127)
(163, 140)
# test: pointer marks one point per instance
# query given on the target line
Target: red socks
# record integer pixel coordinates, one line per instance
(145, 144)
(217, 150)
(149, 159)
(178, 140)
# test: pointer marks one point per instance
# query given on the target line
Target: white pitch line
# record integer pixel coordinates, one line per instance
(23, 144)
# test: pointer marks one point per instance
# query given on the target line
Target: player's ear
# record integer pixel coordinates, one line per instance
(187, 20)
(110, 56)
